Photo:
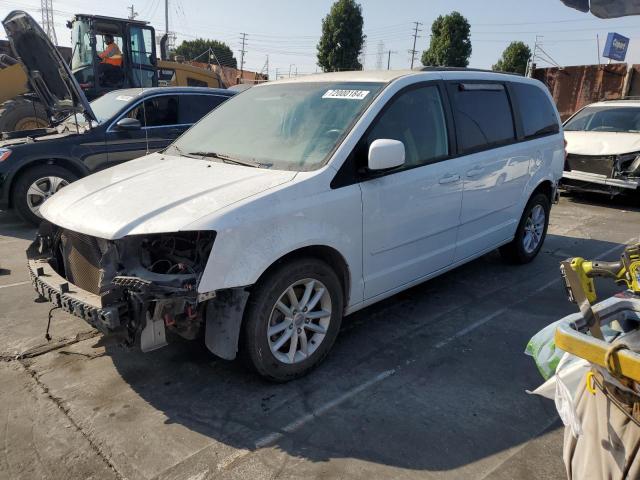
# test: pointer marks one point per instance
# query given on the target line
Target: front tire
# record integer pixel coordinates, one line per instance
(292, 319)
(35, 186)
(531, 232)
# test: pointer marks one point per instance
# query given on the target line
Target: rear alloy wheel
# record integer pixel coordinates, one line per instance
(292, 319)
(37, 185)
(531, 231)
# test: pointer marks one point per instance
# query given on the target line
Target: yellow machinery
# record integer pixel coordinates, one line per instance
(21, 110)
(578, 275)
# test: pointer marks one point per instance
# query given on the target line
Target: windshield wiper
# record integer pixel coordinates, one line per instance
(232, 160)
(179, 150)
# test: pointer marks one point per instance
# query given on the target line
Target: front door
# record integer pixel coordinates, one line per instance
(411, 214)
(160, 125)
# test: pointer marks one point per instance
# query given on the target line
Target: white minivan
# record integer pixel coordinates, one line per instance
(300, 201)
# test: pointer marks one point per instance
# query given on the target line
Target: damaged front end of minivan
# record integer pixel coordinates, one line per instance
(137, 287)
(612, 174)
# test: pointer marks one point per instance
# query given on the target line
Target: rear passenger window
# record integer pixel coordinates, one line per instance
(482, 115)
(416, 118)
(194, 107)
(537, 112)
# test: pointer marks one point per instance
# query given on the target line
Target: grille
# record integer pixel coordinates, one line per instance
(602, 165)
(83, 261)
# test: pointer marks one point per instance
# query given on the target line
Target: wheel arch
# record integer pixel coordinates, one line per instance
(74, 166)
(332, 257)
(546, 187)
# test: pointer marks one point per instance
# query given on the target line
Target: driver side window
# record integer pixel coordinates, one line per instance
(156, 112)
(416, 118)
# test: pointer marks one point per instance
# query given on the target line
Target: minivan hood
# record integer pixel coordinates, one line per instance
(49, 75)
(154, 194)
(601, 143)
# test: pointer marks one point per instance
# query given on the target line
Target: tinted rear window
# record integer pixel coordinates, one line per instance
(194, 107)
(537, 112)
(482, 115)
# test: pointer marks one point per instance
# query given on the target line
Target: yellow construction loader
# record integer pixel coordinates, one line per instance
(23, 95)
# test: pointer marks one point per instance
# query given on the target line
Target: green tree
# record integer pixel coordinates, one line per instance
(450, 42)
(342, 38)
(514, 58)
(192, 49)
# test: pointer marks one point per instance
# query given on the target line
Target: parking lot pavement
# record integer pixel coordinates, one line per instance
(427, 384)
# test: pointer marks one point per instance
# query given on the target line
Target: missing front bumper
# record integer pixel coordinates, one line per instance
(88, 306)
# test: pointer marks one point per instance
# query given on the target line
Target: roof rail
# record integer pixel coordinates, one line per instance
(464, 69)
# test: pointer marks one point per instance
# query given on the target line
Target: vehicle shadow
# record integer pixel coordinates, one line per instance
(627, 202)
(440, 407)
(13, 226)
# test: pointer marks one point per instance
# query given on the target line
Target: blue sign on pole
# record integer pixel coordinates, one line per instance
(616, 47)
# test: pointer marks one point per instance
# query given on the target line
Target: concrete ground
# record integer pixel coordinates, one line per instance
(427, 384)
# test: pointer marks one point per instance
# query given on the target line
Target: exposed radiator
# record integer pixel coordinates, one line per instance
(84, 262)
(600, 164)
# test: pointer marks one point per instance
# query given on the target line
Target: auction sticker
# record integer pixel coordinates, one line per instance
(347, 94)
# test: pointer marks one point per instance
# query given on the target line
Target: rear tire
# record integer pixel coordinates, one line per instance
(22, 114)
(44, 181)
(531, 232)
(312, 338)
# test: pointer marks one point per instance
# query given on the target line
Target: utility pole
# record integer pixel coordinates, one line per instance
(389, 52)
(413, 51)
(46, 7)
(242, 52)
(132, 13)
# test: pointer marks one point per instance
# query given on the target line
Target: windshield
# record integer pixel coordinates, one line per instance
(293, 126)
(605, 119)
(81, 47)
(105, 107)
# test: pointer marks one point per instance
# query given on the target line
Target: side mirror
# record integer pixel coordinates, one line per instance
(125, 124)
(385, 154)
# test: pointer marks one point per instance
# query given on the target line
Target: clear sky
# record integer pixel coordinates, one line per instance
(288, 30)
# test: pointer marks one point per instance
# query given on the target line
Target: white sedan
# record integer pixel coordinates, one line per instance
(603, 148)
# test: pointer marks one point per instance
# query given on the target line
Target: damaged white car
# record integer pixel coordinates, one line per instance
(603, 148)
(297, 202)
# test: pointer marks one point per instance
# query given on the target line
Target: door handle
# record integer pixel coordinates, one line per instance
(474, 172)
(449, 179)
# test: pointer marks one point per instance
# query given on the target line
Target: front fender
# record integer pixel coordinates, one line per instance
(252, 238)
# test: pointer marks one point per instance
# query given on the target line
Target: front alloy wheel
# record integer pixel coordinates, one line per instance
(41, 189)
(34, 186)
(299, 321)
(292, 318)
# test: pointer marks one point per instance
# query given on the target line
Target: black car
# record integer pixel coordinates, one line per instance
(84, 137)
(126, 124)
